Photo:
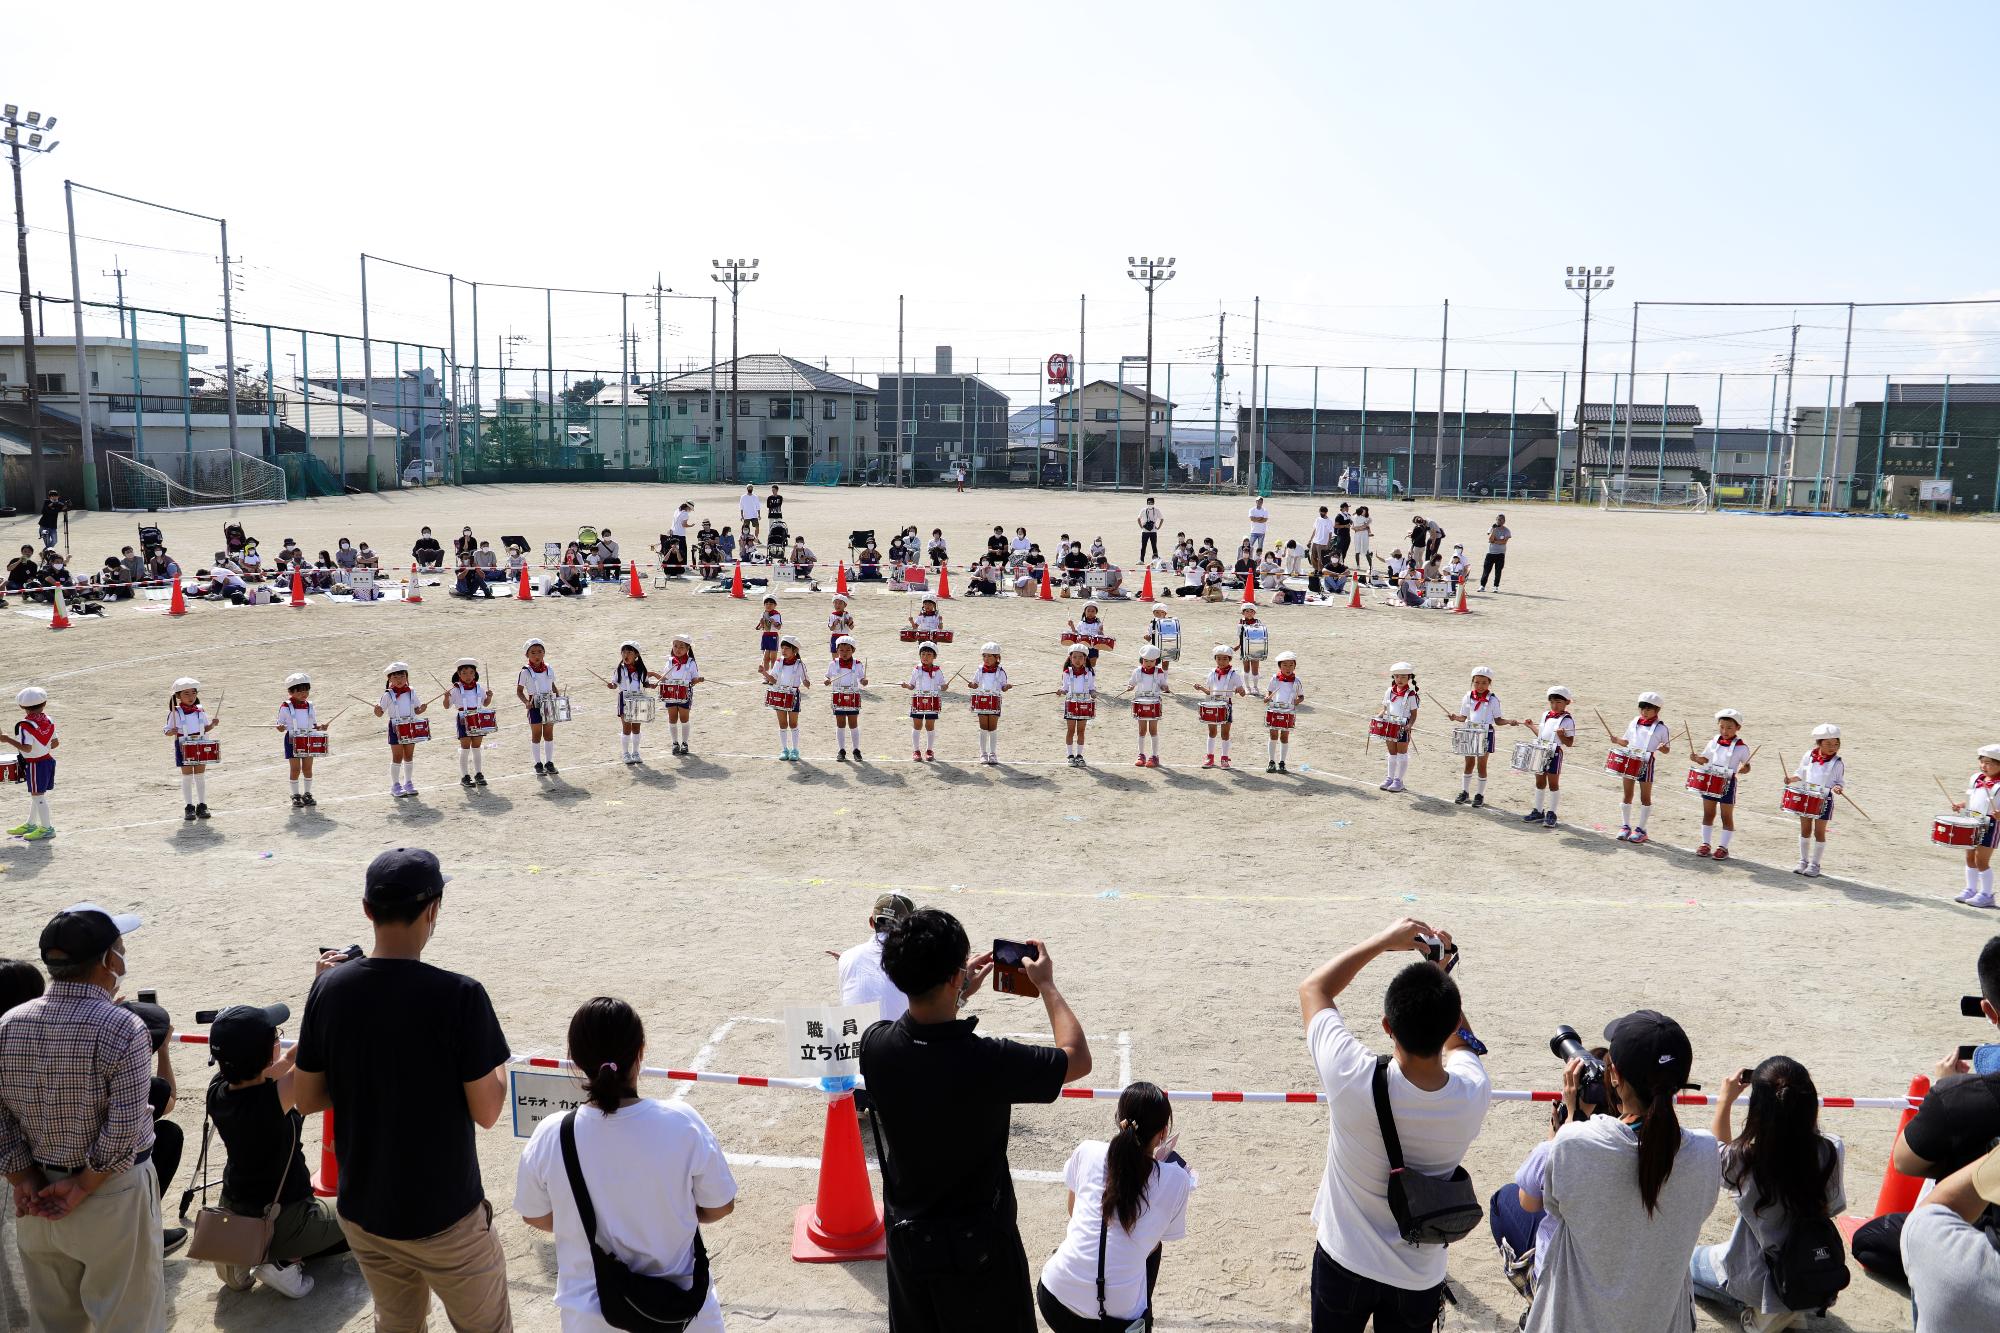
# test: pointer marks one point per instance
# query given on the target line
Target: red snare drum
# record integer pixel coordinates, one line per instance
(1708, 782)
(1387, 729)
(927, 704)
(1146, 709)
(413, 730)
(1278, 721)
(1069, 636)
(677, 696)
(1810, 802)
(986, 705)
(1967, 830)
(1625, 763)
(785, 701)
(306, 744)
(1215, 712)
(846, 703)
(481, 722)
(908, 635)
(939, 636)
(201, 752)
(11, 771)
(1079, 709)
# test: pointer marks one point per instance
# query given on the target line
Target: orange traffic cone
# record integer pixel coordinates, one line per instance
(944, 582)
(843, 1222)
(1047, 594)
(840, 579)
(1250, 586)
(1899, 1192)
(326, 1180)
(177, 605)
(635, 590)
(1146, 592)
(416, 593)
(1354, 603)
(1460, 609)
(58, 618)
(736, 583)
(525, 594)
(298, 587)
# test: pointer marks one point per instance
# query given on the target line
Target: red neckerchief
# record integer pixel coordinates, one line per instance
(295, 704)
(1480, 696)
(1819, 756)
(1148, 668)
(1398, 691)
(1283, 676)
(1548, 717)
(847, 663)
(1979, 780)
(1729, 743)
(682, 659)
(399, 689)
(39, 725)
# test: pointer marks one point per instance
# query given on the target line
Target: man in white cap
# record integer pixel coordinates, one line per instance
(76, 1133)
(34, 736)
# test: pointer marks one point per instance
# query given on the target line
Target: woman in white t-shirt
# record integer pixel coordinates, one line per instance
(1126, 1197)
(653, 1170)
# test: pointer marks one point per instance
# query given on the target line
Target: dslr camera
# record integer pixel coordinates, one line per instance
(1566, 1045)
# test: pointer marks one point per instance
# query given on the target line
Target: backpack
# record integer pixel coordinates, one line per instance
(1810, 1269)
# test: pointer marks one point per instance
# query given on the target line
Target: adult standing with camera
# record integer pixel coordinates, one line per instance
(412, 1057)
(76, 1136)
(1150, 520)
(943, 1103)
(1497, 538)
(1630, 1192)
(1436, 1095)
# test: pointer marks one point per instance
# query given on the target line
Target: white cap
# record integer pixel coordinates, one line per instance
(1159, 608)
(929, 597)
(1985, 751)
(1287, 656)
(126, 922)
(1402, 669)
(1090, 606)
(989, 647)
(1148, 653)
(1560, 692)
(1729, 715)
(186, 683)
(845, 639)
(472, 662)
(1826, 731)
(1249, 609)
(533, 643)
(840, 597)
(31, 696)
(1485, 671)
(296, 679)
(1222, 650)
(682, 638)
(784, 639)
(1652, 700)
(633, 644)
(394, 667)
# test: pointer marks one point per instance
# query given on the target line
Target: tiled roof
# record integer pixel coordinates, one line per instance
(764, 372)
(1935, 393)
(1639, 414)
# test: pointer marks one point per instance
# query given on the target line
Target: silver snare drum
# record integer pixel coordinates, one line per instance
(635, 707)
(553, 708)
(1533, 757)
(1472, 738)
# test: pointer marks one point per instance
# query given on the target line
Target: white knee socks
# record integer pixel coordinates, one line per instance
(187, 789)
(1722, 838)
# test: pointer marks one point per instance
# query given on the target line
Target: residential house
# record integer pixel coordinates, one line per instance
(792, 421)
(1113, 432)
(946, 419)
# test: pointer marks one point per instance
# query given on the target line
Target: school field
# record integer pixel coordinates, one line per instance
(1182, 907)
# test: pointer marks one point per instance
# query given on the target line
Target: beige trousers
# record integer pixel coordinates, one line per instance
(99, 1270)
(463, 1264)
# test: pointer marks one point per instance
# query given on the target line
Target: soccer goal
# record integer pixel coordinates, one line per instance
(205, 479)
(1685, 497)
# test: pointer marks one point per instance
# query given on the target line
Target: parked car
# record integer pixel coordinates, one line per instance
(1502, 483)
(422, 472)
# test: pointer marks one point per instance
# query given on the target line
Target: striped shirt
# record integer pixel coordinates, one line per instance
(74, 1072)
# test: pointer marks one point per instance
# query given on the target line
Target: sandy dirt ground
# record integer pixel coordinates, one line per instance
(1182, 906)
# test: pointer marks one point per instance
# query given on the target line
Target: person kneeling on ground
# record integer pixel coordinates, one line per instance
(1522, 1228)
(252, 1102)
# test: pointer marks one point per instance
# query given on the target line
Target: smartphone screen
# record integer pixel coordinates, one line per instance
(1008, 978)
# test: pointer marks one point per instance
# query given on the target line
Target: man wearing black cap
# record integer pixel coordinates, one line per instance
(411, 1056)
(75, 1131)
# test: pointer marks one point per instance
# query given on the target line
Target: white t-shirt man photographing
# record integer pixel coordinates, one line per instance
(862, 980)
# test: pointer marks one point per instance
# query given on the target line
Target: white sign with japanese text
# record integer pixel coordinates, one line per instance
(824, 1041)
(538, 1096)
(1934, 491)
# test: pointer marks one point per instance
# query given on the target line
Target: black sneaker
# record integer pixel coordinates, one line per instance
(1532, 817)
(1271, 766)
(173, 1238)
(541, 769)
(551, 768)
(1463, 799)
(308, 799)
(201, 810)
(298, 801)
(187, 813)
(1282, 768)
(465, 779)
(1479, 800)
(479, 779)
(841, 757)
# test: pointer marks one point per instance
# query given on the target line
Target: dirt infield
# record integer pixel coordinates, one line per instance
(1182, 906)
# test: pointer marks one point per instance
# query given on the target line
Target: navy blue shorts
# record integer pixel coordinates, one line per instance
(40, 775)
(534, 716)
(767, 643)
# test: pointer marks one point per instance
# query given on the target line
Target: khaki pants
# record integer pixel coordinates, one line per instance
(99, 1270)
(463, 1264)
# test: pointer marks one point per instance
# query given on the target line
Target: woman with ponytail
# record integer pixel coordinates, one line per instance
(1781, 1171)
(1125, 1198)
(652, 1169)
(1629, 1192)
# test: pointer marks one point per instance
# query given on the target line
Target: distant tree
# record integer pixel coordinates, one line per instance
(576, 395)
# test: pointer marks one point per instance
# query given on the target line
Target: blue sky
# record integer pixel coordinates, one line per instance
(1353, 165)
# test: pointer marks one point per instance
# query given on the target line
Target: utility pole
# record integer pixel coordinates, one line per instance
(12, 122)
(1791, 443)
(735, 272)
(896, 441)
(120, 274)
(229, 347)
(1256, 325)
(1437, 461)
(86, 446)
(1149, 273)
(1586, 279)
(1221, 323)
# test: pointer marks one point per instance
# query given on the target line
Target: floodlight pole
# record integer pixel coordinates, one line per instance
(13, 125)
(1586, 279)
(735, 272)
(1149, 273)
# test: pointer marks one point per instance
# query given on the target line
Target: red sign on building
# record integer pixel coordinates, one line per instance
(1059, 368)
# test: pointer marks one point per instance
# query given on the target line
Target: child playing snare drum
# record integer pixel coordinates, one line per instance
(1079, 691)
(1286, 695)
(1090, 627)
(839, 623)
(1557, 730)
(1480, 708)
(989, 679)
(788, 675)
(1222, 686)
(1823, 768)
(468, 694)
(1647, 736)
(677, 684)
(1726, 751)
(631, 679)
(1399, 705)
(845, 676)
(296, 717)
(187, 721)
(34, 736)
(1253, 641)
(399, 703)
(926, 687)
(768, 627)
(534, 680)
(1980, 793)
(927, 620)
(1148, 684)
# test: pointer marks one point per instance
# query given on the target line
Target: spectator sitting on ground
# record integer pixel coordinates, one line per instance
(938, 551)
(1953, 1263)
(1522, 1227)
(471, 579)
(652, 1173)
(288, 554)
(487, 562)
(428, 552)
(251, 561)
(113, 578)
(943, 1100)
(869, 565)
(1033, 567)
(1076, 566)
(1438, 1094)
(1096, 547)
(347, 558)
(1114, 578)
(726, 543)
(1269, 568)
(163, 567)
(996, 545)
(1018, 548)
(802, 559)
(607, 546)
(323, 573)
(367, 559)
(413, 1058)
(465, 543)
(517, 560)
(708, 557)
(984, 579)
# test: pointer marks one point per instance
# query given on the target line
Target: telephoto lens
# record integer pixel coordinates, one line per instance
(1566, 1045)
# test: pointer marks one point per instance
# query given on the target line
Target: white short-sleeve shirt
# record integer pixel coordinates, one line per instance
(1646, 737)
(1071, 1272)
(1260, 521)
(1282, 692)
(1554, 726)
(1146, 684)
(863, 981)
(1322, 531)
(749, 506)
(1726, 754)
(1481, 712)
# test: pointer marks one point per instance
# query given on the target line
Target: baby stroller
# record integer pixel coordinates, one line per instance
(151, 541)
(776, 539)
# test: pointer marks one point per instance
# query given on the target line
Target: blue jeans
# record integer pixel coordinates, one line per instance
(1513, 1225)
(1705, 1268)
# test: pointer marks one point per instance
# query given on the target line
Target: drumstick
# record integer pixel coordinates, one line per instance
(1783, 765)
(363, 702)
(435, 681)
(1607, 727)
(1857, 809)
(1941, 787)
(1689, 736)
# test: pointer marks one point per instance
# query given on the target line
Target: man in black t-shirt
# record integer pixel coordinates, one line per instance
(53, 509)
(411, 1056)
(943, 1099)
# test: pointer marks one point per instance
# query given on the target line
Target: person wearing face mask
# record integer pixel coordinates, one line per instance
(412, 1057)
(76, 1135)
(1133, 1193)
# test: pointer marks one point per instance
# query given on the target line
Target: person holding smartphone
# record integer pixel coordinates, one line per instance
(944, 1098)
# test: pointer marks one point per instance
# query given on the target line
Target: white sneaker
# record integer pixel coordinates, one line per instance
(1982, 899)
(1811, 872)
(1966, 895)
(285, 1279)
(1751, 1321)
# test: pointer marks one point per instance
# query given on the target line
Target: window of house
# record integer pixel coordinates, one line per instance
(1923, 439)
(951, 412)
(830, 409)
(51, 383)
(910, 426)
(1069, 413)
(781, 409)
(833, 444)
(683, 406)
(861, 409)
(742, 407)
(1105, 414)
(924, 411)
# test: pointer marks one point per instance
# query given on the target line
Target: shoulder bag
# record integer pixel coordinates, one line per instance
(625, 1299)
(239, 1240)
(1429, 1210)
